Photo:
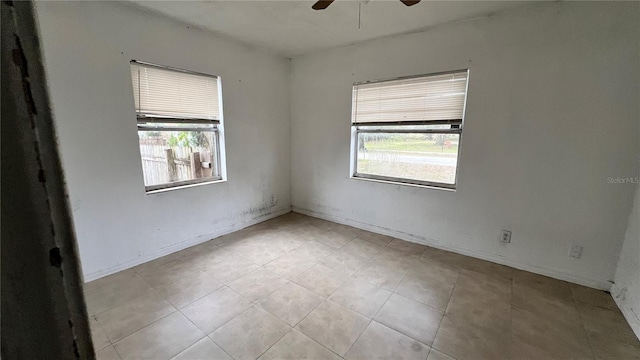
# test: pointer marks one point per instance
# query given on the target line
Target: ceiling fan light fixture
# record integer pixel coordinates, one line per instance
(323, 4)
(410, 2)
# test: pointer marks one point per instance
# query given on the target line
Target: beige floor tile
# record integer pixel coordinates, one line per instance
(547, 285)
(287, 241)
(163, 339)
(426, 288)
(463, 340)
(363, 248)
(606, 324)
(606, 348)
(593, 297)
(334, 239)
(321, 223)
(261, 253)
(107, 353)
(396, 258)
(313, 250)
(113, 280)
(333, 326)
(232, 238)
(261, 235)
(309, 231)
(360, 296)
(291, 303)
(297, 346)
(242, 244)
(479, 310)
(199, 248)
(491, 311)
(434, 269)
(321, 280)
(169, 272)
(347, 230)
(544, 304)
(378, 239)
(520, 350)
(411, 318)
(132, 316)
(230, 270)
(484, 287)
(98, 337)
(203, 349)
(487, 267)
(205, 259)
(380, 342)
(250, 334)
(446, 257)
(258, 284)
(406, 246)
(437, 355)
(290, 265)
(116, 292)
(384, 276)
(344, 262)
(264, 229)
(557, 338)
(185, 291)
(215, 309)
(155, 263)
(288, 226)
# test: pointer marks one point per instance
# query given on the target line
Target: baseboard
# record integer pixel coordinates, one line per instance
(553, 273)
(633, 318)
(182, 245)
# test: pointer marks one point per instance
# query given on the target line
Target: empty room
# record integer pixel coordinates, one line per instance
(376, 179)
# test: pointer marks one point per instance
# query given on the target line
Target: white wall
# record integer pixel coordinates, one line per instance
(87, 49)
(626, 290)
(552, 112)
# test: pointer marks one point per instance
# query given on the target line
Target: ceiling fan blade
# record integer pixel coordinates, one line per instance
(410, 2)
(322, 4)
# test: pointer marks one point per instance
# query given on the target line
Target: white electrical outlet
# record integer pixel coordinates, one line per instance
(575, 251)
(505, 236)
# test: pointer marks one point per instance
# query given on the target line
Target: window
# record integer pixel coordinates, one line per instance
(409, 130)
(180, 126)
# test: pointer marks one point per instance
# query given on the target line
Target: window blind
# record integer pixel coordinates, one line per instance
(171, 93)
(428, 98)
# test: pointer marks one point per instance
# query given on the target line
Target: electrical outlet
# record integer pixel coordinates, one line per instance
(575, 251)
(505, 236)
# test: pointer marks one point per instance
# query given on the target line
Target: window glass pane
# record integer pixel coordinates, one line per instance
(423, 157)
(178, 155)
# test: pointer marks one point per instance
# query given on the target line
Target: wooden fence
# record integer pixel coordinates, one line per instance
(163, 164)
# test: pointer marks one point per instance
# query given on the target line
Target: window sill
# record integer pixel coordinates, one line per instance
(396, 182)
(185, 186)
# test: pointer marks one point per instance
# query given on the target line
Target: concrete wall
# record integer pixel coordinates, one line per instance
(87, 47)
(552, 113)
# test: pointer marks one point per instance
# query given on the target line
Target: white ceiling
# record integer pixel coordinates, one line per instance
(292, 28)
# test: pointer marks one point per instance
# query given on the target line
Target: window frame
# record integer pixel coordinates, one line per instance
(164, 123)
(379, 128)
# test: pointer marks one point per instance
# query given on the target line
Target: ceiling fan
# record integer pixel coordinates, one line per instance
(323, 4)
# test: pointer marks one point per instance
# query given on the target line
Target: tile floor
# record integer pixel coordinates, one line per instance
(297, 287)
